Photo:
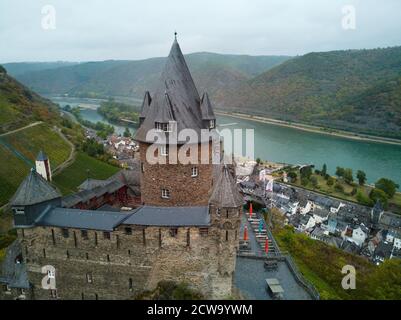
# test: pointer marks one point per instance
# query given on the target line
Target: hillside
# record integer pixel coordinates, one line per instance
(357, 90)
(20, 106)
(213, 72)
(18, 68)
(19, 150)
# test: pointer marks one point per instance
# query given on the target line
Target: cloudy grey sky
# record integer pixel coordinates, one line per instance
(131, 29)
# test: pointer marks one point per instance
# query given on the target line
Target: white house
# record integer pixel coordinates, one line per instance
(357, 235)
(335, 210)
(308, 207)
(320, 215)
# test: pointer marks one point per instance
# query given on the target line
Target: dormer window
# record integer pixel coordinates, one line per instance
(212, 124)
(163, 126)
(20, 210)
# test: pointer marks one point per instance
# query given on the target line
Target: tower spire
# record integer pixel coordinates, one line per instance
(175, 35)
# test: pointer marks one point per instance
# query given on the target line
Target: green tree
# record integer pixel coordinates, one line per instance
(363, 199)
(127, 133)
(292, 175)
(388, 186)
(378, 194)
(330, 181)
(361, 176)
(340, 172)
(348, 176)
(324, 170)
(306, 172)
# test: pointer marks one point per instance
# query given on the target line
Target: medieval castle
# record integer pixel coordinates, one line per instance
(182, 225)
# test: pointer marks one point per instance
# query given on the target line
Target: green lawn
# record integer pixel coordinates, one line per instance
(68, 180)
(28, 143)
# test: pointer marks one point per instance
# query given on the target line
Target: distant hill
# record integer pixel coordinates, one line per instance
(357, 90)
(20, 106)
(18, 68)
(212, 72)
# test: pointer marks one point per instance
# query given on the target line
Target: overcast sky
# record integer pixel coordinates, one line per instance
(131, 29)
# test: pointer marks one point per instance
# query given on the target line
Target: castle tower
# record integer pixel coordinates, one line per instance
(31, 198)
(176, 106)
(225, 211)
(42, 165)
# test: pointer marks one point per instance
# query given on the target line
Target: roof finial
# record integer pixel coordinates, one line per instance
(175, 35)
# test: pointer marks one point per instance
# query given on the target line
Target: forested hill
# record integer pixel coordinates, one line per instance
(19, 106)
(357, 90)
(212, 72)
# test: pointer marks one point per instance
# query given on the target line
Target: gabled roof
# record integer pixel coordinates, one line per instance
(165, 113)
(183, 97)
(34, 189)
(41, 156)
(206, 108)
(90, 184)
(145, 105)
(225, 193)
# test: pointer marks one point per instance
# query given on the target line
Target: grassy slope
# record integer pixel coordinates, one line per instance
(71, 177)
(28, 142)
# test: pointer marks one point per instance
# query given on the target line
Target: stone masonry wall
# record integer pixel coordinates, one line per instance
(184, 189)
(127, 264)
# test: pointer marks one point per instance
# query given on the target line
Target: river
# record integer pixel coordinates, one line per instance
(288, 145)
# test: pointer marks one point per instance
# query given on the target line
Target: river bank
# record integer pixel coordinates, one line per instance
(310, 128)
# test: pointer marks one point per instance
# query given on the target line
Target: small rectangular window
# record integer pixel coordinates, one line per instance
(65, 232)
(142, 167)
(203, 232)
(165, 193)
(164, 150)
(89, 278)
(51, 274)
(106, 235)
(194, 172)
(212, 124)
(173, 232)
(53, 293)
(84, 234)
(128, 230)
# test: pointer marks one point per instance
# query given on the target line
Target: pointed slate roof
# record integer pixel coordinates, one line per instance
(225, 193)
(184, 100)
(145, 105)
(165, 113)
(34, 189)
(206, 108)
(41, 156)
